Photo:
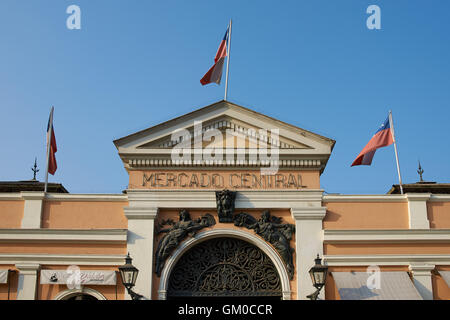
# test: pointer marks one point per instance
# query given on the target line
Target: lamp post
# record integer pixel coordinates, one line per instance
(318, 275)
(128, 274)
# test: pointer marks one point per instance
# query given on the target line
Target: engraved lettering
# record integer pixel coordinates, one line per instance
(244, 180)
(291, 181)
(214, 179)
(194, 181)
(279, 178)
(257, 181)
(147, 179)
(202, 180)
(171, 180)
(158, 179)
(231, 180)
(183, 185)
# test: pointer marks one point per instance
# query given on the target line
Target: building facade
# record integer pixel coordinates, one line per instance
(221, 202)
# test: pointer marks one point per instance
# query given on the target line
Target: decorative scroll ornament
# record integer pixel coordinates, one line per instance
(225, 205)
(177, 233)
(271, 229)
(224, 267)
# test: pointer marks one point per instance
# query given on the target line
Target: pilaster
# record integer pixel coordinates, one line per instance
(422, 279)
(417, 210)
(309, 243)
(32, 212)
(140, 246)
(28, 274)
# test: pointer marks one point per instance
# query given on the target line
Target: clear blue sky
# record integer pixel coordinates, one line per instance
(310, 63)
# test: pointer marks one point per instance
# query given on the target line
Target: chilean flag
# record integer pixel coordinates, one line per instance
(214, 74)
(381, 138)
(52, 149)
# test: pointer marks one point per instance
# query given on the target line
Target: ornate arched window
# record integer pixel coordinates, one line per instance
(224, 267)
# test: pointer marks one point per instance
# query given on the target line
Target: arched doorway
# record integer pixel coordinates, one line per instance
(224, 267)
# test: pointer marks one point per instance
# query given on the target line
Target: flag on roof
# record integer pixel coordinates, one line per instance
(51, 143)
(381, 138)
(214, 74)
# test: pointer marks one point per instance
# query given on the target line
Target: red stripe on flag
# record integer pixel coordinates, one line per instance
(52, 166)
(214, 74)
(222, 51)
(381, 139)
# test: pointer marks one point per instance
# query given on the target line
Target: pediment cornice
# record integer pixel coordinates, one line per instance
(297, 147)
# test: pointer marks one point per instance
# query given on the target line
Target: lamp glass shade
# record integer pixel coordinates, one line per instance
(318, 274)
(319, 277)
(129, 277)
(128, 273)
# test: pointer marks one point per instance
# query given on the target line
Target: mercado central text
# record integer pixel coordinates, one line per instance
(222, 180)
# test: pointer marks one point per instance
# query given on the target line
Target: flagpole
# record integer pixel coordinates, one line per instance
(391, 122)
(228, 61)
(49, 137)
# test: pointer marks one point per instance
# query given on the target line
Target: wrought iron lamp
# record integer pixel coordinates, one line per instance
(318, 275)
(128, 274)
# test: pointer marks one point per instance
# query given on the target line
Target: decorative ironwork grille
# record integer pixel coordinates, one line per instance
(223, 267)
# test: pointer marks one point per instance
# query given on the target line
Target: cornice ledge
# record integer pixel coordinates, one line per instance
(64, 235)
(28, 267)
(425, 268)
(30, 261)
(440, 197)
(207, 192)
(364, 198)
(308, 213)
(140, 212)
(418, 196)
(86, 197)
(64, 231)
(387, 231)
(206, 199)
(32, 195)
(14, 196)
(392, 259)
(386, 235)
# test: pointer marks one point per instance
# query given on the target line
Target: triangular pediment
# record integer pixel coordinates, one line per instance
(243, 134)
(239, 127)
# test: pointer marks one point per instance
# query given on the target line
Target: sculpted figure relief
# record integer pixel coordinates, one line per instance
(225, 205)
(268, 227)
(177, 233)
(271, 229)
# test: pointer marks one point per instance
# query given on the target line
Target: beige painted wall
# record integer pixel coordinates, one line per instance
(11, 214)
(366, 215)
(441, 290)
(439, 214)
(84, 215)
